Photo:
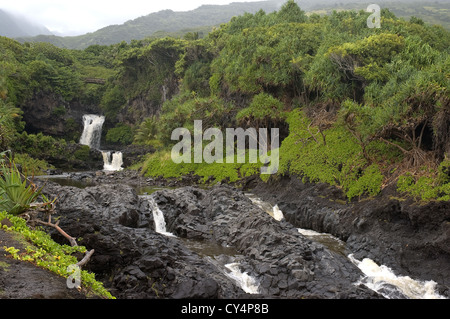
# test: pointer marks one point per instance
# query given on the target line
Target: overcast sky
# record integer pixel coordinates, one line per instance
(73, 17)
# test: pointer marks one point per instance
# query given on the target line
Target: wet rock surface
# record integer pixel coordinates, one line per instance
(23, 280)
(130, 258)
(285, 263)
(219, 225)
(136, 262)
(412, 238)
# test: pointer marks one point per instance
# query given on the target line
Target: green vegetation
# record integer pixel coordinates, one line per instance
(121, 134)
(428, 187)
(357, 108)
(417, 11)
(332, 156)
(160, 24)
(42, 251)
(16, 193)
(161, 164)
(17, 196)
(31, 166)
(201, 21)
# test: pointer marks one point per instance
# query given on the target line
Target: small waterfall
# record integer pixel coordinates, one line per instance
(332, 243)
(245, 281)
(273, 211)
(158, 217)
(91, 136)
(277, 213)
(383, 280)
(113, 161)
(92, 131)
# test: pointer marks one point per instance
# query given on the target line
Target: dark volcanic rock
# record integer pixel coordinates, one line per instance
(285, 263)
(412, 238)
(42, 113)
(134, 261)
(130, 257)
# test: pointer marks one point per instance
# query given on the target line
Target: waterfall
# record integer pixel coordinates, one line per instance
(273, 211)
(277, 213)
(245, 281)
(332, 243)
(158, 217)
(383, 280)
(92, 132)
(113, 161)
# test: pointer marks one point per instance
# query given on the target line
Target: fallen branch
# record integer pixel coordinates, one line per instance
(395, 145)
(72, 240)
(86, 258)
(48, 207)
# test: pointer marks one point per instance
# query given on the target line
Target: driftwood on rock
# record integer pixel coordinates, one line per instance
(49, 209)
(72, 240)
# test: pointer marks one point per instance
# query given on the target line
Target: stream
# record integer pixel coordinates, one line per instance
(381, 279)
(378, 278)
(224, 258)
(235, 266)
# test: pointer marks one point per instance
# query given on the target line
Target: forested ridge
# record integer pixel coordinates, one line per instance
(358, 108)
(204, 18)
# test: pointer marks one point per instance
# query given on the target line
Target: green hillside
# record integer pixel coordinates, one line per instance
(431, 12)
(358, 108)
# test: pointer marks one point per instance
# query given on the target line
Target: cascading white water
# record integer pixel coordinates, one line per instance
(92, 132)
(91, 136)
(113, 161)
(158, 217)
(277, 213)
(273, 211)
(378, 278)
(245, 281)
(383, 280)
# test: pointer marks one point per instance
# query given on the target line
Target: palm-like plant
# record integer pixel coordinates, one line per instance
(17, 193)
(147, 133)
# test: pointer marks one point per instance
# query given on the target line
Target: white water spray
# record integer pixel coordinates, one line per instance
(273, 211)
(92, 131)
(245, 281)
(378, 278)
(91, 136)
(158, 217)
(112, 161)
(383, 280)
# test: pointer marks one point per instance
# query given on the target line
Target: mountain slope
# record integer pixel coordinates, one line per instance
(165, 21)
(12, 26)
(204, 18)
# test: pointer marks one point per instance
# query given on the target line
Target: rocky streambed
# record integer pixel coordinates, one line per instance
(223, 243)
